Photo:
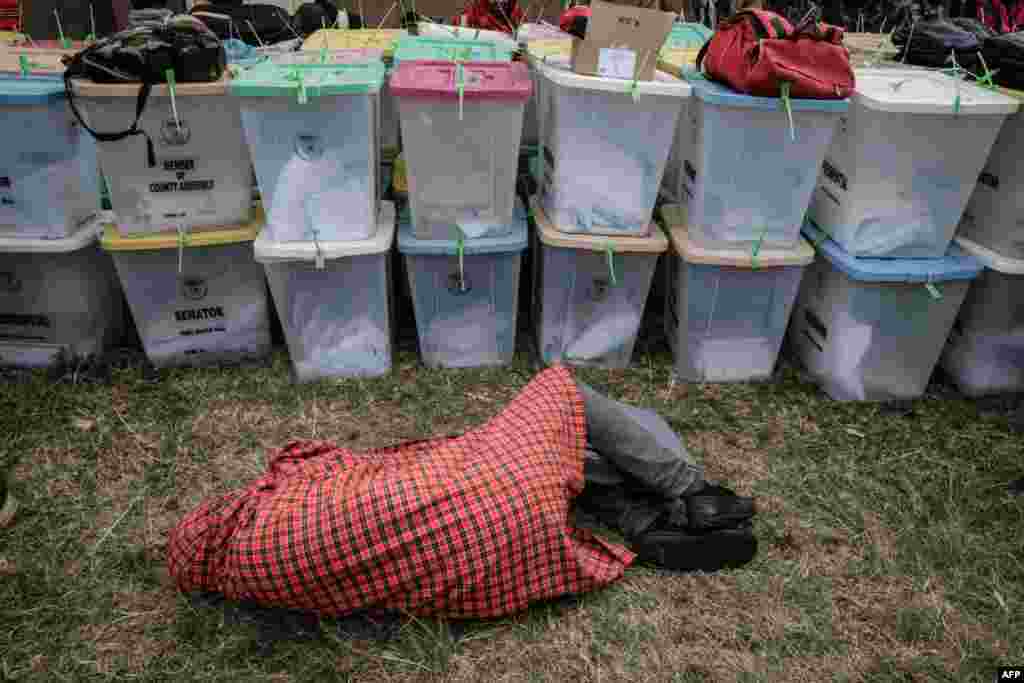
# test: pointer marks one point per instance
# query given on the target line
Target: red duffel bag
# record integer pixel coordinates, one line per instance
(756, 51)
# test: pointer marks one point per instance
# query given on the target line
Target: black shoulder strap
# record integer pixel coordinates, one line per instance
(703, 53)
(140, 106)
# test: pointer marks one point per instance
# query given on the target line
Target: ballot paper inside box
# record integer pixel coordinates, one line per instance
(590, 292)
(465, 296)
(330, 335)
(873, 329)
(727, 308)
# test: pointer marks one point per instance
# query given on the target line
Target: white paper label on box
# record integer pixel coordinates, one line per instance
(616, 62)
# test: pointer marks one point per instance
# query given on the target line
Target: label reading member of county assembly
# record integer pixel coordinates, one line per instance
(616, 62)
(182, 183)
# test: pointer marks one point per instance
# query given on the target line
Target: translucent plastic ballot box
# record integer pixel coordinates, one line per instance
(201, 173)
(57, 297)
(338, 39)
(727, 309)
(589, 293)
(745, 168)
(465, 296)
(994, 217)
(383, 39)
(985, 351)
(334, 300)
(904, 162)
(871, 329)
(441, 48)
(49, 178)
(197, 298)
(428, 29)
(313, 136)
(604, 145)
(461, 127)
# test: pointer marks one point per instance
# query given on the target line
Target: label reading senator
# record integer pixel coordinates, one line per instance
(193, 314)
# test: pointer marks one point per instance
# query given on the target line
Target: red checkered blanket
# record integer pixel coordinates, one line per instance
(469, 526)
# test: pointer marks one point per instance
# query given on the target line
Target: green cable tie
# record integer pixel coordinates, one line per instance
(173, 90)
(460, 85)
(181, 248)
(460, 249)
(788, 106)
(610, 251)
(757, 248)
(23, 65)
(933, 291)
(820, 239)
(956, 72)
(985, 80)
(303, 95)
(319, 261)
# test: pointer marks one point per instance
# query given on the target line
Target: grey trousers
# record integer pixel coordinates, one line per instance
(636, 468)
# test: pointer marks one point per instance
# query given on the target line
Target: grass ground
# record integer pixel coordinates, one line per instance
(889, 548)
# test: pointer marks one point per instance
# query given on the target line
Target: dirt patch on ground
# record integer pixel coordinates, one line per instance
(866, 612)
(735, 459)
(122, 643)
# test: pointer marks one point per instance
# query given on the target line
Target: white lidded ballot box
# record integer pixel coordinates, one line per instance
(465, 296)
(727, 309)
(49, 186)
(904, 162)
(746, 174)
(871, 329)
(540, 50)
(197, 298)
(604, 143)
(994, 217)
(461, 127)
(589, 293)
(985, 351)
(334, 301)
(200, 175)
(57, 295)
(313, 134)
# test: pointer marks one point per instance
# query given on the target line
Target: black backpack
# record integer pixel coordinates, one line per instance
(930, 43)
(255, 25)
(975, 27)
(143, 55)
(310, 17)
(1005, 54)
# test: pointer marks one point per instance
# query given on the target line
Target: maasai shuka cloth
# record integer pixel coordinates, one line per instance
(475, 525)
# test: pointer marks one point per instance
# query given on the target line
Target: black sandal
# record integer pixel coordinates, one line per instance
(716, 507)
(711, 551)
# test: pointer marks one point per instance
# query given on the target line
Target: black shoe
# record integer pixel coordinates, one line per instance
(707, 552)
(716, 507)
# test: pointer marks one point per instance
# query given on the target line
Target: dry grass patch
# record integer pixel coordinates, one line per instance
(124, 642)
(736, 459)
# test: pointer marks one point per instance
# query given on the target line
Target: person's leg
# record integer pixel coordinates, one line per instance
(641, 480)
(639, 443)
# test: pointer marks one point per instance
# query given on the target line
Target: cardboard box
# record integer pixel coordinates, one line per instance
(622, 41)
